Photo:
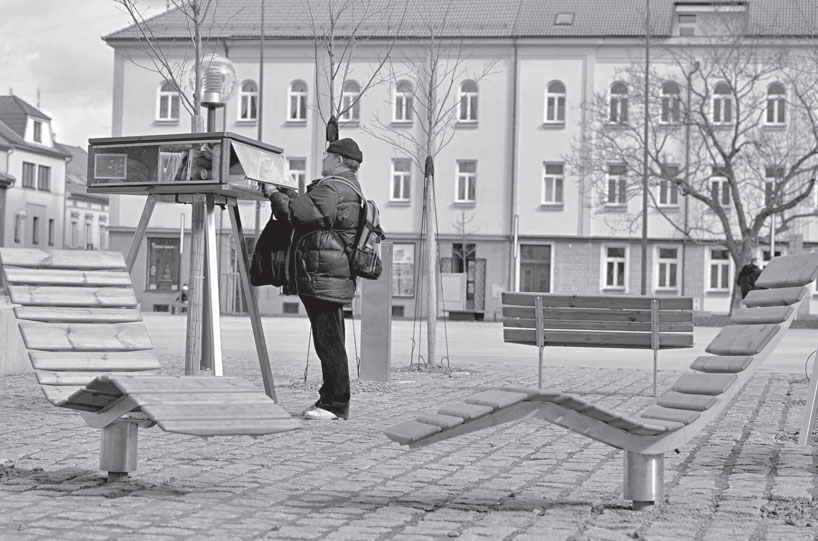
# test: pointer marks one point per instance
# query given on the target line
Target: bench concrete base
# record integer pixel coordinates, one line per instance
(13, 354)
(644, 479)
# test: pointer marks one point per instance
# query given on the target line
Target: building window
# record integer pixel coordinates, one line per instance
(614, 262)
(671, 104)
(776, 105)
(720, 191)
(103, 237)
(168, 102)
(618, 105)
(772, 178)
(248, 101)
(297, 101)
(687, 24)
(163, 264)
(401, 179)
(552, 184)
(466, 181)
(719, 269)
(35, 230)
(298, 171)
(19, 225)
(404, 103)
(555, 102)
(467, 102)
(668, 186)
(617, 184)
(44, 178)
(722, 104)
(89, 235)
(51, 232)
(28, 175)
(38, 131)
(403, 270)
(667, 266)
(535, 268)
(75, 233)
(350, 102)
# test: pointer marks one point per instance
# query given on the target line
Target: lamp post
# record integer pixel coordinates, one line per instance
(218, 85)
(644, 273)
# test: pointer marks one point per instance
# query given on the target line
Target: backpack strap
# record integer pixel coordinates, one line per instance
(351, 185)
(349, 247)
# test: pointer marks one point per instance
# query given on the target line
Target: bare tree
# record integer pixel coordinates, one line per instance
(427, 80)
(732, 129)
(339, 28)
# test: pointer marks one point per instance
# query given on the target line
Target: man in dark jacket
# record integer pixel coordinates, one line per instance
(325, 220)
(747, 277)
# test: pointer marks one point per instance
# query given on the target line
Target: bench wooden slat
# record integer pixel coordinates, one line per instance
(175, 384)
(742, 339)
(671, 414)
(708, 384)
(260, 407)
(794, 270)
(598, 339)
(762, 314)
(716, 364)
(592, 314)
(77, 314)
(684, 401)
(251, 427)
(784, 296)
(411, 431)
(187, 398)
(65, 277)
(61, 259)
(443, 421)
(96, 361)
(465, 411)
(72, 296)
(46, 377)
(628, 302)
(85, 336)
(495, 399)
(596, 325)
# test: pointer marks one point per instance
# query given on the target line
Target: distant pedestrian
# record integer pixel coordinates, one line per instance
(747, 277)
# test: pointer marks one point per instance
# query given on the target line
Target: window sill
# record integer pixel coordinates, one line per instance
(166, 121)
(618, 209)
(552, 206)
(467, 124)
(718, 292)
(775, 127)
(296, 122)
(403, 123)
(553, 125)
(612, 289)
(349, 123)
(617, 125)
(246, 121)
(399, 202)
(669, 208)
(465, 203)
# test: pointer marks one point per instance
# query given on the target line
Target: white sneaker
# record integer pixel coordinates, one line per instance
(319, 414)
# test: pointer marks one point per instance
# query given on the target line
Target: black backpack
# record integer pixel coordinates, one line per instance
(365, 253)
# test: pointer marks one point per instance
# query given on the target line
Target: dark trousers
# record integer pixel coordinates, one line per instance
(327, 321)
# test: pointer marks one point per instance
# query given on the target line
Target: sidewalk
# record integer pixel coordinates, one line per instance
(743, 478)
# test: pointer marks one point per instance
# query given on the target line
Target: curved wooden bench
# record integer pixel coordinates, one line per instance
(80, 322)
(693, 401)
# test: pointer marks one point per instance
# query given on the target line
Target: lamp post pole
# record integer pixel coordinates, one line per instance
(644, 274)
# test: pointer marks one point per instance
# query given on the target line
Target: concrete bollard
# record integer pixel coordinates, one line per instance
(376, 321)
(13, 354)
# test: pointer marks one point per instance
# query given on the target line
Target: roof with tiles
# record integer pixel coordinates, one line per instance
(14, 113)
(285, 19)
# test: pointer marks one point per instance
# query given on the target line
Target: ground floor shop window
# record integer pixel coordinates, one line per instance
(163, 264)
(535, 268)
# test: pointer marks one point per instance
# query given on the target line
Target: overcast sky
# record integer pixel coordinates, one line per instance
(55, 47)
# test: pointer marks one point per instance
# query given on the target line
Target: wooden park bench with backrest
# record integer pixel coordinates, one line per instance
(80, 322)
(694, 400)
(598, 321)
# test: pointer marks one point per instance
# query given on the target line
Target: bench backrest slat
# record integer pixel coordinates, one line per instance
(602, 325)
(591, 314)
(599, 339)
(617, 302)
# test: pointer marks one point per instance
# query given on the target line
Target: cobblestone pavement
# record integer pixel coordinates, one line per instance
(744, 477)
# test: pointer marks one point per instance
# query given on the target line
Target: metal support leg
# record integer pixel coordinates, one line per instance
(212, 343)
(139, 234)
(118, 450)
(252, 303)
(644, 479)
(810, 408)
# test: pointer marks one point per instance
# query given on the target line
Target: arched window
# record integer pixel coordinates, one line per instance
(402, 111)
(297, 101)
(467, 100)
(722, 104)
(618, 104)
(555, 102)
(671, 104)
(350, 102)
(248, 101)
(168, 102)
(776, 104)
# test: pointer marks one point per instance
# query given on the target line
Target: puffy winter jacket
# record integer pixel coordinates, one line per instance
(319, 266)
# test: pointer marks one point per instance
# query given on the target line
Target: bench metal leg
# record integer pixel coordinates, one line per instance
(118, 450)
(644, 479)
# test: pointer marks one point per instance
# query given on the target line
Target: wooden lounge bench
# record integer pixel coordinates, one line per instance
(693, 401)
(80, 322)
(598, 321)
